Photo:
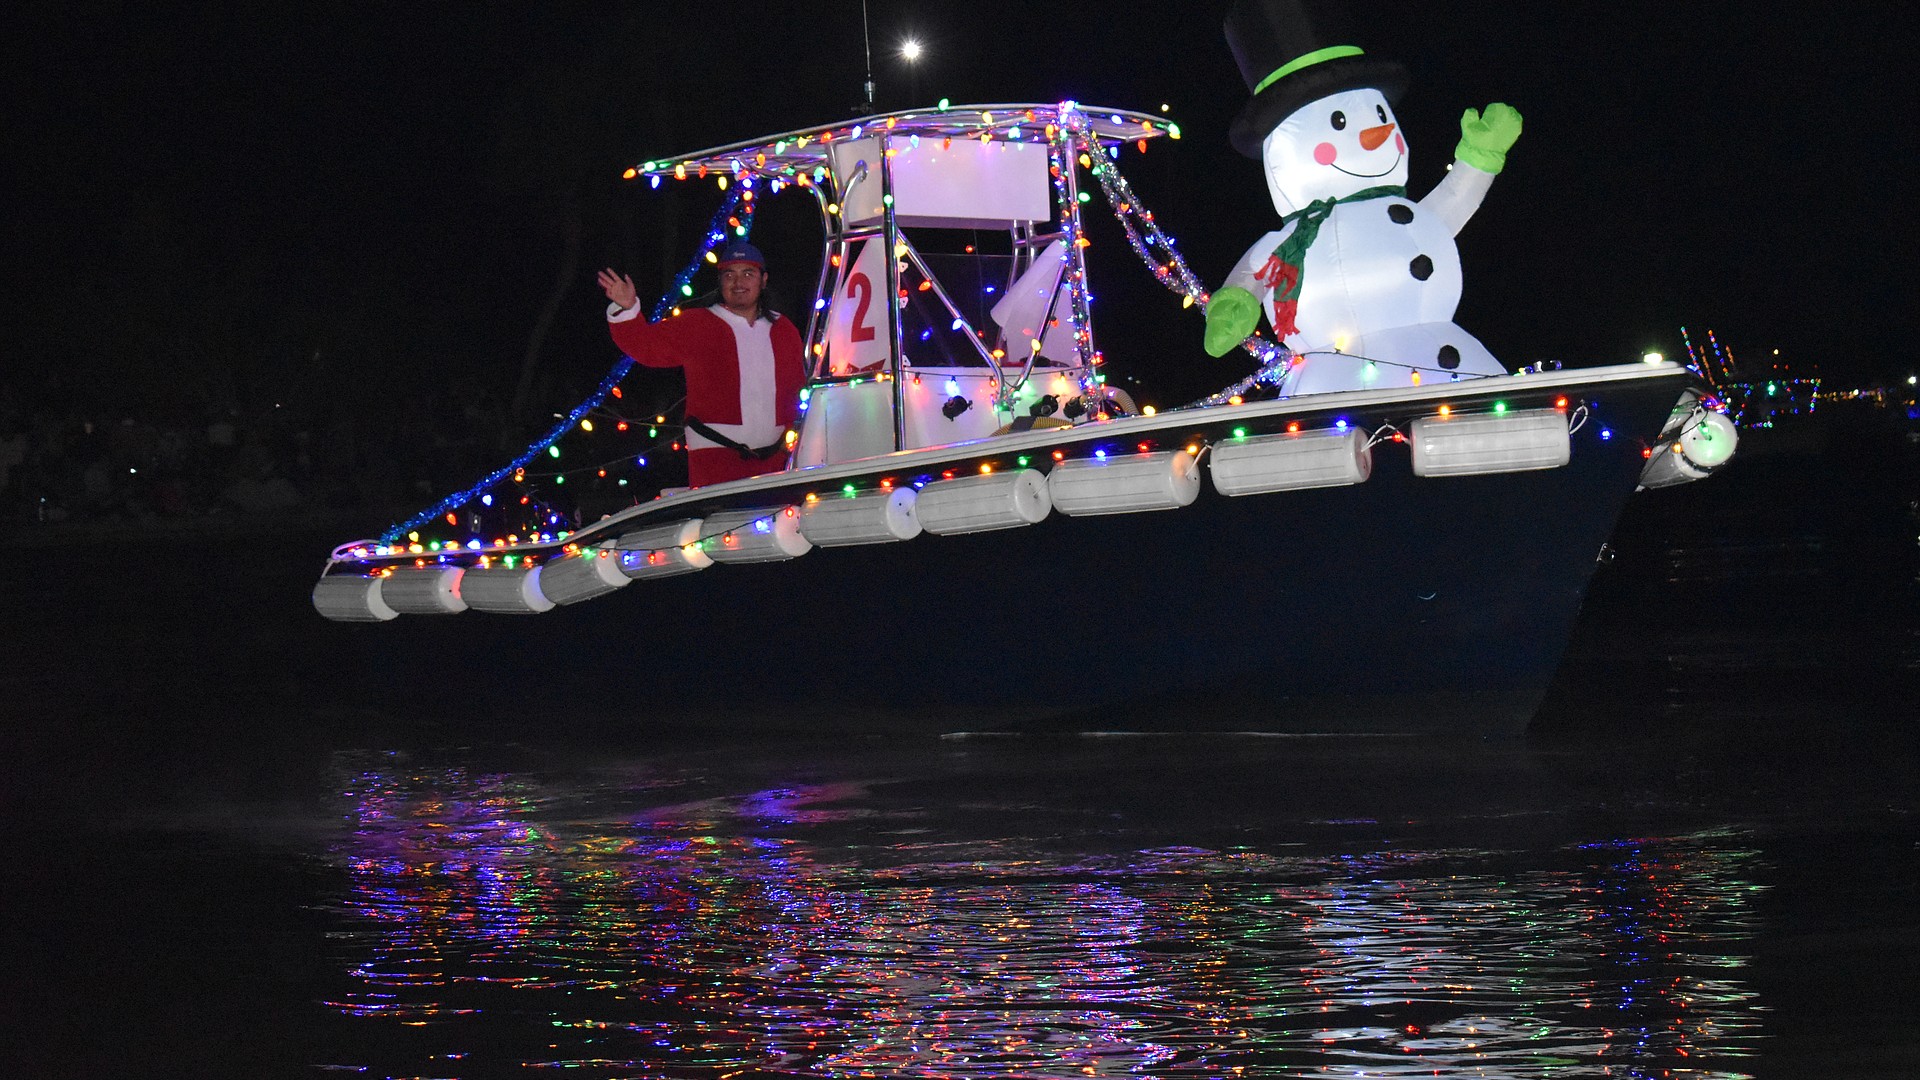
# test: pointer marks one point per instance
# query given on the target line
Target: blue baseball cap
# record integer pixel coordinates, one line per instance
(739, 251)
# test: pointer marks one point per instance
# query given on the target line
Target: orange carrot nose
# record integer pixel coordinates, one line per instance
(1371, 138)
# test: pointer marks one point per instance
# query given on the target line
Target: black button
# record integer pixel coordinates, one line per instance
(1401, 213)
(1421, 268)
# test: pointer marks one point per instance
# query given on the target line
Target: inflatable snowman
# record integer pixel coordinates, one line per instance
(1359, 281)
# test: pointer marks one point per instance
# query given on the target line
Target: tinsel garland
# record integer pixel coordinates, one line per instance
(1144, 235)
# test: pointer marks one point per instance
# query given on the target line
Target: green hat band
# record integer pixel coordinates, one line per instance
(1317, 56)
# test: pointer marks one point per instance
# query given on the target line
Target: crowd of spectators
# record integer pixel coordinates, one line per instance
(233, 458)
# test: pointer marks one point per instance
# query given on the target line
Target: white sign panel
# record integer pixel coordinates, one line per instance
(957, 184)
(857, 335)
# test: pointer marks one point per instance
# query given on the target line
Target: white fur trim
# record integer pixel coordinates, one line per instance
(753, 347)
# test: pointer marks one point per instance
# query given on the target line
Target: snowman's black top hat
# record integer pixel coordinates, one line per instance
(1292, 52)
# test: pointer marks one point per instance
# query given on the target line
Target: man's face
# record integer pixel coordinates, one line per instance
(740, 285)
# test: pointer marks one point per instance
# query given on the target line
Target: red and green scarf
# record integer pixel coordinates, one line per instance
(1286, 267)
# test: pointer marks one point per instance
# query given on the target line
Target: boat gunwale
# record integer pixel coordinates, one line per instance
(934, 458)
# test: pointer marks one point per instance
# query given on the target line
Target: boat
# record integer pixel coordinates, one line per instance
(973, 519)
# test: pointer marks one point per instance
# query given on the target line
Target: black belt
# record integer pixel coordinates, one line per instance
(747, 453)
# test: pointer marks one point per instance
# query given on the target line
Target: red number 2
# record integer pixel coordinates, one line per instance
(863, 285)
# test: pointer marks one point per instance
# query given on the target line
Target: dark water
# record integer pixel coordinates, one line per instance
(227, 859)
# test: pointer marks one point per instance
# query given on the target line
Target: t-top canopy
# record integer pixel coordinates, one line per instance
(807, 152)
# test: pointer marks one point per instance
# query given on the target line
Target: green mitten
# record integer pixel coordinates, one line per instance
(1231, 316)
(1484, 140)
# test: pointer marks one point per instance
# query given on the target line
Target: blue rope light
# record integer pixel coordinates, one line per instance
(394, 535)
(716, 235)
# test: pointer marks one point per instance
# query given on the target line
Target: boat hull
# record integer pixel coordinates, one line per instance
(1403, 604)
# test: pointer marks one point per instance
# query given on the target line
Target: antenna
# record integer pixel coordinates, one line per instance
(867, 34)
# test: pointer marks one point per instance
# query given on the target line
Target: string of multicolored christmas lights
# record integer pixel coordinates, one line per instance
(1075, 137)
(735, 217)
(1061, 144)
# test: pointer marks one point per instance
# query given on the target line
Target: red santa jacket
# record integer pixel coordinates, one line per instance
(703, 344)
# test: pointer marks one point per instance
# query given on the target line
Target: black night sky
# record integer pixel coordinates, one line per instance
(329, 204)
(282, 273)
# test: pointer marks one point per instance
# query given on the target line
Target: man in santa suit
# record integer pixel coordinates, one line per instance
(742, 362)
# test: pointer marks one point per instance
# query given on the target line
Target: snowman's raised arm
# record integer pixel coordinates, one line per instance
(1480, 155)
(1455, 198)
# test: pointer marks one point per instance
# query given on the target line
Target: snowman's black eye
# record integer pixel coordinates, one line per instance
(1382, 110)
(1339, 121)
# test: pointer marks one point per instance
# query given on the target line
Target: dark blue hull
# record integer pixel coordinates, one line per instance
(1402, 604)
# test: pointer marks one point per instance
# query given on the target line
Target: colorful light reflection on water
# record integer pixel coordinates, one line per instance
(499, 922)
